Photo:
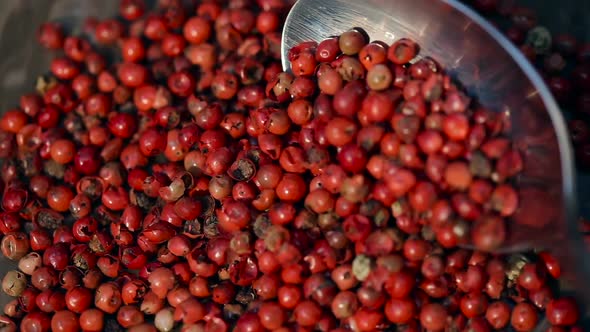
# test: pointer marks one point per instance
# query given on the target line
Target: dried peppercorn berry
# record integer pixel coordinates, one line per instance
(196, 186)
(562, 312)
(524, 317)
(402, 51)
(351, 42)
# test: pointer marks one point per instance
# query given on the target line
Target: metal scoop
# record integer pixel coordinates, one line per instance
(497, 73)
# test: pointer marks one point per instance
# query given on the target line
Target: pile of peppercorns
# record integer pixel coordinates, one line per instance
(189, 184)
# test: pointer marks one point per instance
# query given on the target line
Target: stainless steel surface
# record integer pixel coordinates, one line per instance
(495, 71)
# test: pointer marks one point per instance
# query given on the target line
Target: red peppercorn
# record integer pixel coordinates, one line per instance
(433, 316)
(291, 188)
(50, 35)
(367, 320)
(13, 120)
(92, 320)
(132, 49)
(36, 321)
(86, 161)
(132, 75)
(78, 299)
(307, 313)
(402, 51)
(64, 68)
(181, 84)
(108, 31)
(400, 311)
(197, 30)
(108, 298)
(271, 315)
(131, 9)
(562, 312)
(524, 317)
